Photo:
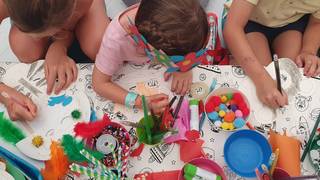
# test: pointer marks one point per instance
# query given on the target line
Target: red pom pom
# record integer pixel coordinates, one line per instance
(216, 100)
(237, 97)
(246, 112)
(242, 105)
(209, 107)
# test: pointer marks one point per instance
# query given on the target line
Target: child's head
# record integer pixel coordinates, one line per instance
(177, 27)
(39, 16)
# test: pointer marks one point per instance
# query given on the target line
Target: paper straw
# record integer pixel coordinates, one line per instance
(119, 162)
(88, 172)
(97, 163)
(125, 159)
(274, 163)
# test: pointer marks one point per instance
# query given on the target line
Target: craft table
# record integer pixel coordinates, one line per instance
(297, 119)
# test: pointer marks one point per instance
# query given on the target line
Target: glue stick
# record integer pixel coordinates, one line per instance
(194, 115)
(193, 172)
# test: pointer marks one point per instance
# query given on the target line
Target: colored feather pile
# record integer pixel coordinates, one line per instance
(58, 166)
(9, 132)
(91, 129)
(72, 149)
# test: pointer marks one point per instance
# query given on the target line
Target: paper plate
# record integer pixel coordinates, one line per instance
(246, 150)
(54, 111)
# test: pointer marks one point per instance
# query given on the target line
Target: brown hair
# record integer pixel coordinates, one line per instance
(175, 26)
(34, 16)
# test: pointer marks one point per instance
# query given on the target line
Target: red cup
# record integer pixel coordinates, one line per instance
(280, 174)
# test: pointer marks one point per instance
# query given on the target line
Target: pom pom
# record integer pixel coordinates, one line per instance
(237, 97)
(229, 117)
(246, 112)
(239, 122)
(37, 141)
(76, 114)
(209, 107)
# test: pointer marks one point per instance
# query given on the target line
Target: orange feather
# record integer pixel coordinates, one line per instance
(58, 166)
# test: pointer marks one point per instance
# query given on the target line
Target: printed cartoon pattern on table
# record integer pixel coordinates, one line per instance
(54, 111)
(297, 119)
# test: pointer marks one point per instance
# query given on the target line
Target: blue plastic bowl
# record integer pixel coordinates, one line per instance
(246, 150)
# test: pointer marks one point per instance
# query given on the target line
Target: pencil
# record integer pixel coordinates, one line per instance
(306, 150)
(276, 66)
(178, 107)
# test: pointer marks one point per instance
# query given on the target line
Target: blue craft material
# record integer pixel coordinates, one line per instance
(26, 168)
(245, 150)
(213, 85)
(93, 115)
(213, 116)
(223, 107)
(202, 119)
(63, 99)
(234, 107)
(239, 122)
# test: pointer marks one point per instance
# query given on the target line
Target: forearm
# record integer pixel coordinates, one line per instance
(110, 90)
(239, 46)
(311, 37)
(3, 88)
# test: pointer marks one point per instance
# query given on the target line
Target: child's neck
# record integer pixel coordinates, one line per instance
(129, 13)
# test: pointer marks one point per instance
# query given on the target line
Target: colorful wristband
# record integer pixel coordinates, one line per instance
(130, 99)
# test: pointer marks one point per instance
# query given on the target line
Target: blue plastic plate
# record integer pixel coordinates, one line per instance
(245, 150)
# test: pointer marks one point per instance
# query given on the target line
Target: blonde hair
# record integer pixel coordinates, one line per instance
(34, 16)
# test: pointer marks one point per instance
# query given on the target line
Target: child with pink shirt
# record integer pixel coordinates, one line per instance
(171, 32)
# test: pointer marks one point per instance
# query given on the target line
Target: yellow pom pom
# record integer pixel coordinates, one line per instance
(37, 141)
(224, 99)
(222, 113)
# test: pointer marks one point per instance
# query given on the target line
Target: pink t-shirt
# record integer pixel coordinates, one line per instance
(118, 47)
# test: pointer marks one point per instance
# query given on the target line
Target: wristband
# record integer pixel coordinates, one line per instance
(130, 99)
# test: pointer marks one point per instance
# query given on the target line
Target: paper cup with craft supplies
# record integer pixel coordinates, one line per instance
(203, 168)
(227, 108)
(156, 134)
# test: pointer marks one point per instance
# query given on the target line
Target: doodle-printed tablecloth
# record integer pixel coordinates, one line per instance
(297, 119)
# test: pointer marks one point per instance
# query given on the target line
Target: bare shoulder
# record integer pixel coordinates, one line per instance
(3, 11)
(129, 13)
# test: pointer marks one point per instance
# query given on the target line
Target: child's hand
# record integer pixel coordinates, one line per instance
(157, 102)
(268, 93)
(19, 107)
(310, 62)
(181, 82)
(61, 68)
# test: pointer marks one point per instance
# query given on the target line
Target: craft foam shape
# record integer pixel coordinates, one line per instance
(41, 153)
(289, 154)
(182, 123)
(63, 99)
(158, 175)
(51, 121)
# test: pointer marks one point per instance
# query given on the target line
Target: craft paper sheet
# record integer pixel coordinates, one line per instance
(297, 119)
